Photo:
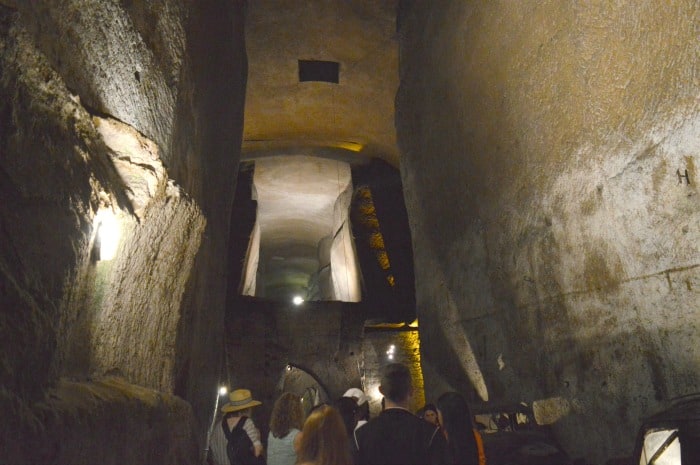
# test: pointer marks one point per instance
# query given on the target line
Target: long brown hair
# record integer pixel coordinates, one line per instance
(458, 423)
(324, 440)
(287, 413)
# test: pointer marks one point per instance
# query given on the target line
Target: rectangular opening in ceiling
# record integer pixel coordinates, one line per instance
(316, 70)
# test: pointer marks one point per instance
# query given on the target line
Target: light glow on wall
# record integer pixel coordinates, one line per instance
(549, 411)
(373, 392)
(297, 300)
(108, 233)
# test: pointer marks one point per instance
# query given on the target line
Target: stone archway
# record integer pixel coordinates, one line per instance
(305, 384)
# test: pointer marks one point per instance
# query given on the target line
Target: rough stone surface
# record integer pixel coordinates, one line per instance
(208, 130)
(108, 421)
(263, 337)
(153, 315)
(389, 345)
(136, 160)
(297, 198)
(553, 228)
(354, 116)
(137, 310)
(123, 61)
(549, 158)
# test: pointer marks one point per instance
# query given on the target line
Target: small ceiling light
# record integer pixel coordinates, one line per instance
(108, 232)
(297, 300)
(223, 390)
(390, 352)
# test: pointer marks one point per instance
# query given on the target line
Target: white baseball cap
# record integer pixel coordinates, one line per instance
(357, 394)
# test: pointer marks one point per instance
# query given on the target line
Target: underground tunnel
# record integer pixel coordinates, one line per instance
(285, 196)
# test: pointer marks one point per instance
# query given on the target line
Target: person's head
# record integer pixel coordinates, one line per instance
(324, 440)
(240, 403)
(429, 414)
(395, 383)
(348, 409)
(454, 412)
(362, 402)
(456, 420)
(287, 413)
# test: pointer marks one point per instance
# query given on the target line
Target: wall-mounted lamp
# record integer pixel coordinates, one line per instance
(297, 300)
(108, 233)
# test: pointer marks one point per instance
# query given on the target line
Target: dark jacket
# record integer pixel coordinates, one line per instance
(397, 437)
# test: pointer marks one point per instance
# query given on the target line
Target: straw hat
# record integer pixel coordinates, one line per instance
(240, 399)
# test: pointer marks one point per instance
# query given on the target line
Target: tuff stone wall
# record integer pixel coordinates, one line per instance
(116, 107)
(108, 421)
(323, 338)
(545, 147)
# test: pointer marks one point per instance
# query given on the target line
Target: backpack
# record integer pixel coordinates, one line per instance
(239, 447)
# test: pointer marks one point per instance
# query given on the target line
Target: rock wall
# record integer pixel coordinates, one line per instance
(109, 422)
(129, 109)
(323, 338)
(549, 163)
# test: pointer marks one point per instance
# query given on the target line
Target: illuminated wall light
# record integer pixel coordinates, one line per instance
(390, 352)
(297, 300)
(108, 233)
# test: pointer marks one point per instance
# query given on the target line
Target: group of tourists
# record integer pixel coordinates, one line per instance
(343, 433)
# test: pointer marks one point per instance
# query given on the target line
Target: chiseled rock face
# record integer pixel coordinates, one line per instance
(136, 160)
(102, 110)
(124, 61)
(107, 421)
(545, 149)
(138, 295)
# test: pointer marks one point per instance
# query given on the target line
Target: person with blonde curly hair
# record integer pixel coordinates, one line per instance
(324, 440)
(286, 421)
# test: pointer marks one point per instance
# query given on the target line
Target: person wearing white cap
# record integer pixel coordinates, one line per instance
(362, 405)
(236, 410)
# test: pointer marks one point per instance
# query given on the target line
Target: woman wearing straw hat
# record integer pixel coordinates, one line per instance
(237, 409)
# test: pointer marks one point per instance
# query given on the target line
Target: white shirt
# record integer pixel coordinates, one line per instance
(218, 441)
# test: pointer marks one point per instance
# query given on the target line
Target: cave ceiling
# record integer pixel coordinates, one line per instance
(287, 118)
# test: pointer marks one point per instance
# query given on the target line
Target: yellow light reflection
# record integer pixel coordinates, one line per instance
(349, 145)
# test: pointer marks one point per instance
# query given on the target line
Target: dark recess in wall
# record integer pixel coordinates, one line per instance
(321, 71)
(384, 302)
(243, 214)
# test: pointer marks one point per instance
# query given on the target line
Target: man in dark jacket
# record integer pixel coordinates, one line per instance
(396, 436)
